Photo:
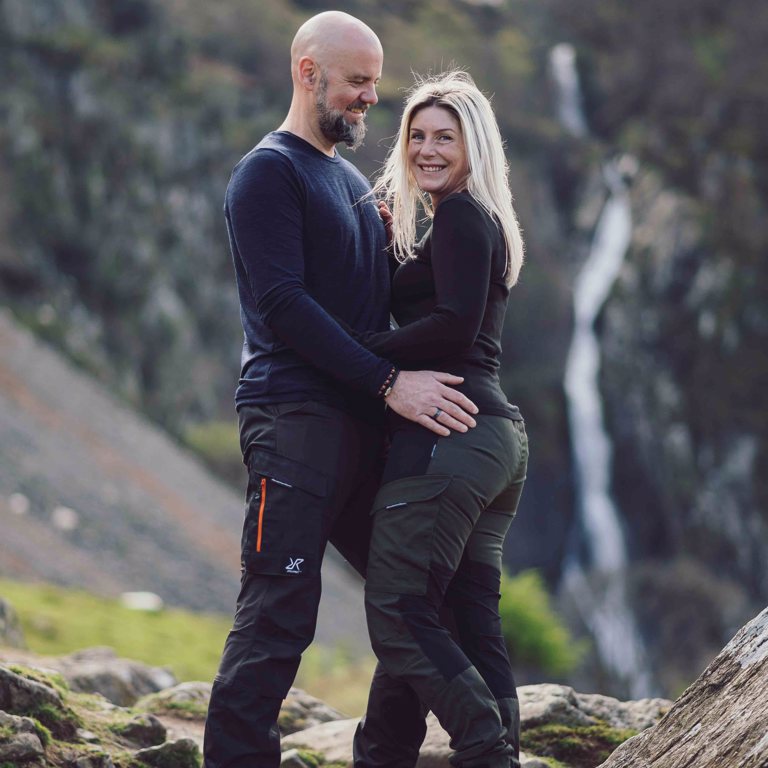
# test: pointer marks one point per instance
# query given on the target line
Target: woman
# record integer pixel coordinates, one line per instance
(445, 505)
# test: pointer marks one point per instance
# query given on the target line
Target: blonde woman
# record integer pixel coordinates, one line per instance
(446, 503)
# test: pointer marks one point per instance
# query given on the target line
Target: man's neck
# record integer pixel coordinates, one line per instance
(310, 133)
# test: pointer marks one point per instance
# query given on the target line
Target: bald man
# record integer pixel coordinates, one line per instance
(309, 248)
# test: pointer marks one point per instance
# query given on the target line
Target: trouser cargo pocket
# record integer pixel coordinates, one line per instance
(405, 513)
(285, 505)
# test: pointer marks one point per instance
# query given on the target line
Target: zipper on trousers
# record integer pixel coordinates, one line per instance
(261, 512)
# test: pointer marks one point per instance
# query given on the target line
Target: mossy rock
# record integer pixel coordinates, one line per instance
(575, 746)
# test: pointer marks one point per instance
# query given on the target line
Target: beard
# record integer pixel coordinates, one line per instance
(332, 123)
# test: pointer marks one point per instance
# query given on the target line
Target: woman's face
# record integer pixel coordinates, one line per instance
(437, 157)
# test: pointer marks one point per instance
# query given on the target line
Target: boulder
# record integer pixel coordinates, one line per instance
(595, 723)
(20, 694)
(721, 721)
(20, 740)
(11, 633)
(144, 730)
(334, 741)
(549, 703)
(186, 700)
(122, 681)
(183, 753)
(300, 711)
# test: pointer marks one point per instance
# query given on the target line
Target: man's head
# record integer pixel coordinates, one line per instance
(336, 64)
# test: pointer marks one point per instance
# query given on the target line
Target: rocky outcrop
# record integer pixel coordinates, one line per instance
(165, 729)
(721, 721)
(21, 740)
(121, 681)
(577, 729)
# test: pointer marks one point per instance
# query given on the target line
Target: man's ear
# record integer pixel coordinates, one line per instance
(308, 72)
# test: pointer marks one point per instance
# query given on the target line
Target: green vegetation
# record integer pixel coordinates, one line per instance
(534, 634)
(192, 710)
(57, 721)
(58, 621)
(218, 444)
(51, 679)
(574, 746)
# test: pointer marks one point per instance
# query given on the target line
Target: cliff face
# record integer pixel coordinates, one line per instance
(681, 386)
(112, 156)
(684, 332)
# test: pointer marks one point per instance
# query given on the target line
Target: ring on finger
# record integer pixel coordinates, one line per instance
(438, 411)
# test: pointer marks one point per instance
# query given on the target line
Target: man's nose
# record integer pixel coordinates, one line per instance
(370, 96)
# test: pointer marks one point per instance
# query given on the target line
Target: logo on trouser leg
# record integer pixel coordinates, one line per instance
(294, 564)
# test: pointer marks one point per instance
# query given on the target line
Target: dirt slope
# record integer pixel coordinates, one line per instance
(147, 514)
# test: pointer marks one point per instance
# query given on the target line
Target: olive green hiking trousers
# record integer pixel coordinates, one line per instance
(439, 523)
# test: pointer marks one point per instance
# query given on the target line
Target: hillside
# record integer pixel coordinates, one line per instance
(143, 513)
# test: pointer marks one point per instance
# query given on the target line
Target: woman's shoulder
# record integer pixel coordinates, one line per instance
(466, 207)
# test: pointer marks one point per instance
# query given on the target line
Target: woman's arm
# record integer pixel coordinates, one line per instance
(462, 249)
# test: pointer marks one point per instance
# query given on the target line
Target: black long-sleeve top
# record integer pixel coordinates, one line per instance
(308, 246)
(450, 302)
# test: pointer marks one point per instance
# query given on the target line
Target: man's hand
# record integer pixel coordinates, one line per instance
(423, 395)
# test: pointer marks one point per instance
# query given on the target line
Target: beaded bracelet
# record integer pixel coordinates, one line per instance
(389, 382)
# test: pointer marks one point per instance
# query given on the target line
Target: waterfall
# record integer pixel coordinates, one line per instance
(562, 64)
(597, 587)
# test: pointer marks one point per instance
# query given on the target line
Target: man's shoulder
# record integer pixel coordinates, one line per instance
(272, 151)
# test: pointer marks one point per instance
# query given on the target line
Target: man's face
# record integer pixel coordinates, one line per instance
(345, 91)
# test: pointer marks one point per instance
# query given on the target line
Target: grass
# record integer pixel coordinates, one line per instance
(56, 621)
(575, 746)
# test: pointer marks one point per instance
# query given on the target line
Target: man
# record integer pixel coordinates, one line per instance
(308, 247)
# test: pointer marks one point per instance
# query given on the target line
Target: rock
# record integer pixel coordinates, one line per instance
(633, 715)
(721, 721)
(549, 703)
(96, 760)
(22, 695)
(183, 753)
(88, 736)
(597, 723)
(19, 694)
(301, 711)
(186, 700)
(144, 730)
(122, 681)
(19, 740)
(332, 739)
(10, 628)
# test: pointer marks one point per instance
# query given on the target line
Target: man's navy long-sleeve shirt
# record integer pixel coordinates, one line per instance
(308, 244)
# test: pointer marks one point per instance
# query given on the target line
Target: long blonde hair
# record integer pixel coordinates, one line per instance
(488, 181)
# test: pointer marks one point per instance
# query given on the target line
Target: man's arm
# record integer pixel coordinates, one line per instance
(264, 206)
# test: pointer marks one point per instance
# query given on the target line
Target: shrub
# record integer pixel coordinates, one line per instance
(534, 634)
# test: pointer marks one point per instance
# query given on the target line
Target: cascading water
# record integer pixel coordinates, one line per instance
(598, 587)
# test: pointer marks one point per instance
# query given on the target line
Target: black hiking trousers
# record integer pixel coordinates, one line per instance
(313, 472)
(439, 523)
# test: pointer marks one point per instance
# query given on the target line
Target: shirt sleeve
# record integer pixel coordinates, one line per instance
(462, 250)
(265, 203)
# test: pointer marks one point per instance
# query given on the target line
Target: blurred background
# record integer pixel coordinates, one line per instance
(635, 342)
